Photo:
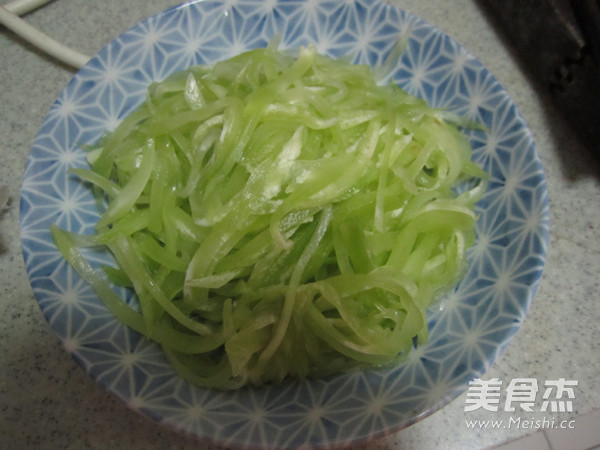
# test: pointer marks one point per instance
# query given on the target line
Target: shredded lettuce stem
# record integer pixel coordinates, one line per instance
(279, 216)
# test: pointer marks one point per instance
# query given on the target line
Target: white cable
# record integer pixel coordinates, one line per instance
(41, 40)
(20, 7)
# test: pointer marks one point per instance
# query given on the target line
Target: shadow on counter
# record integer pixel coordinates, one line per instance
(557, 43)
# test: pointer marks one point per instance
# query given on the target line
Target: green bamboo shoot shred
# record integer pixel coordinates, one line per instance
(279, 216)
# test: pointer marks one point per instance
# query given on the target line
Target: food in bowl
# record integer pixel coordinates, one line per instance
(279, 216)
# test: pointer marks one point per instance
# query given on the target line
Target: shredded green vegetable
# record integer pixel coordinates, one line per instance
(279, 216)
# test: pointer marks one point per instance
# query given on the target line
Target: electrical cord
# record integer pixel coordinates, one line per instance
(9, 17)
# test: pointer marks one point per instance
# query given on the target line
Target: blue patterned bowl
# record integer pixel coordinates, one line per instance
(476, 321)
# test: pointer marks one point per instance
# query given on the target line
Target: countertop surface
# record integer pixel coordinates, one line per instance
(48, 401)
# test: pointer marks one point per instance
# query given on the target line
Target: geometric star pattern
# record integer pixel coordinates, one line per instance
(468, 328)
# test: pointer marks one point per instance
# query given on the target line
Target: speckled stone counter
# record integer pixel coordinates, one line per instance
(47, 400)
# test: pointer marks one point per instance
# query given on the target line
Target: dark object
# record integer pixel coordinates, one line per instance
(559, 42)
